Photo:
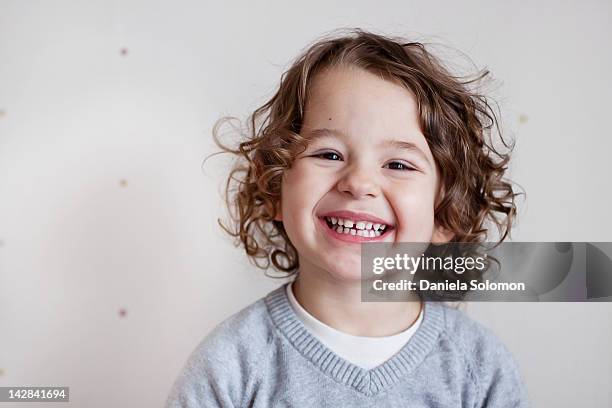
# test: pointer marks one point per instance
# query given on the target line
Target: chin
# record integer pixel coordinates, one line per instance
(346, 273)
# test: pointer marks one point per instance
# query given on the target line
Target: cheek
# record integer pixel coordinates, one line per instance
(303, 187)
(305, 184)
(414, 212)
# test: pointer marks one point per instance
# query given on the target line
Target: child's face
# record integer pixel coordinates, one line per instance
(379, 166)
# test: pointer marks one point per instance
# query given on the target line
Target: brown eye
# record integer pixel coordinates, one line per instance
(328, 156)
(395, 165)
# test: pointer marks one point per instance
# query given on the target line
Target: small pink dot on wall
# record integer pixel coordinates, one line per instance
(123, 52)
(123, 183)
(122, 312)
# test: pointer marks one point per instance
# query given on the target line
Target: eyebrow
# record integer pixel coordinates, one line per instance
(398, 144)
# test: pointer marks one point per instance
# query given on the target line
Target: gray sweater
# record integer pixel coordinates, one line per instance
(264, 357)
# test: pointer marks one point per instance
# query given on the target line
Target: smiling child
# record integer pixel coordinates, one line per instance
(368, 139)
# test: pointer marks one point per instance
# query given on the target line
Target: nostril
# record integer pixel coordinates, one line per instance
(358, 184)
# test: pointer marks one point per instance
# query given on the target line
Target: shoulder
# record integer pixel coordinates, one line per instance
(236, 343)
(243, 334)
(226, 363)
(475, 339)
(493, 368)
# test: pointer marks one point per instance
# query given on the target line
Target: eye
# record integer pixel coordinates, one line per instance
(328, 156)
(396, 165)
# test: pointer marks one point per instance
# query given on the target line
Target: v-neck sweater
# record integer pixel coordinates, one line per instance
(263, 356)
(363, 351)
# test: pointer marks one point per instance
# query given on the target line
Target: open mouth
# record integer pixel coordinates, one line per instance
(365, 229)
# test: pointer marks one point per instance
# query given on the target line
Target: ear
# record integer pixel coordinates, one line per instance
(279, 214)
(441, 235)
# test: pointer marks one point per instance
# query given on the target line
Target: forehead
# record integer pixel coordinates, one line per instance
(359, 102)
(354, 99)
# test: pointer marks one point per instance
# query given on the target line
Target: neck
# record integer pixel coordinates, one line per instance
(337, 303)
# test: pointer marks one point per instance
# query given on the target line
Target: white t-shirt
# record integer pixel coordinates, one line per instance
(365, 352)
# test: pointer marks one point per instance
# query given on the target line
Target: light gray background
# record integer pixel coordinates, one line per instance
(78, 117)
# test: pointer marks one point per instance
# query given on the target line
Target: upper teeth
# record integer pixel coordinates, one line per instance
(360, 225)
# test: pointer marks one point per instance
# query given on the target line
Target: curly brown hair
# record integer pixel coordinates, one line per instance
(457, 121)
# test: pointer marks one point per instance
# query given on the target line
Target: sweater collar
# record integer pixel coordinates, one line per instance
(368, 382)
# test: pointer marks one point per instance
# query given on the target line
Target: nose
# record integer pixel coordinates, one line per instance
(359, 182)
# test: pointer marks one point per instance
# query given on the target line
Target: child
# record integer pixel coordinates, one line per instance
(366, 140)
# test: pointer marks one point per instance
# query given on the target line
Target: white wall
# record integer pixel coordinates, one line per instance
(76, 245)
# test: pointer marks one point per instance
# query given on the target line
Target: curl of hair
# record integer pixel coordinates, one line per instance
(458, 123)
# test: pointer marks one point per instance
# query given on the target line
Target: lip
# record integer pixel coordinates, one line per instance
(356, 216)
(348, 237)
